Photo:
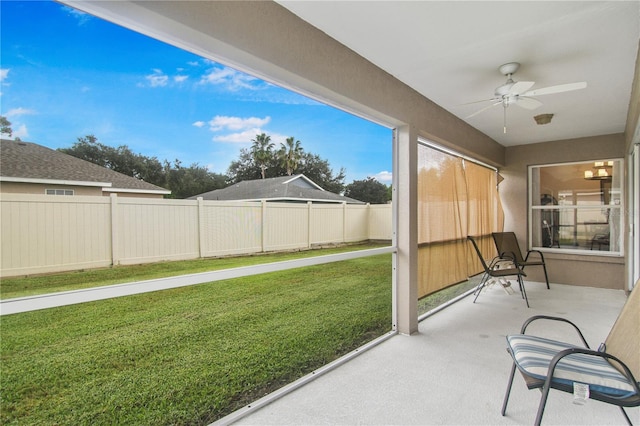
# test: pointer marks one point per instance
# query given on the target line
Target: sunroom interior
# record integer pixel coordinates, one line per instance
(568, 188)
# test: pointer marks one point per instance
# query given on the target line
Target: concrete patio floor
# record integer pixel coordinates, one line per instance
(455, 370)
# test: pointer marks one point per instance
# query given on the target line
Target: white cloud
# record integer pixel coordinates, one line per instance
(81, 17)
(230, 78)
(15, 112)
(247, 135)
(239, 129)
(222, 122)
(21, 132)
(157, 79)
(240, 137)
(160, 79)
(383, 176)
(4, 73)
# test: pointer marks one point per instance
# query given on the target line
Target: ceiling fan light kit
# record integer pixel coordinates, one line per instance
(543, 118)
(519, 93)
(509, 68)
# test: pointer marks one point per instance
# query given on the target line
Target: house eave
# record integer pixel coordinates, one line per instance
(103, 185)
(313, 200)
(315, 185)
(137, 191)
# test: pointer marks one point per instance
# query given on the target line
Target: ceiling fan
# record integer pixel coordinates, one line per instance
(519, 93)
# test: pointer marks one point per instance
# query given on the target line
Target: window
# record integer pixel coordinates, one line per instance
(577, 207)
(59, 191)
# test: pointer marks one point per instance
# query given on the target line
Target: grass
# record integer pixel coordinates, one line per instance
(40, 284)
(188, 355)
(434, 300)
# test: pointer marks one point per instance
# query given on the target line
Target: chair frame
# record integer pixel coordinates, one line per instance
(546, 385)
(516, 256)
(490, 272)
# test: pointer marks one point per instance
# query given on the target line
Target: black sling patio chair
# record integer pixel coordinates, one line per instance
(507, 246)
(490, 271)
(608, 372)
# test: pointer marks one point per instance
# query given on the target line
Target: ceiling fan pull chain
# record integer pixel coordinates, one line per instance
(504, 113)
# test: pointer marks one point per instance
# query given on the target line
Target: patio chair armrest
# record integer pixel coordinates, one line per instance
(498, 259)
(550, 318)
(509, 255)
(621, 366)
(538, 252)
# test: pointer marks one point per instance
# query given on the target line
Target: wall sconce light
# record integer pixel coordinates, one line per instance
(543, 118)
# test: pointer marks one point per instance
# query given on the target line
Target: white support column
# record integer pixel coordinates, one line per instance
(405, 201)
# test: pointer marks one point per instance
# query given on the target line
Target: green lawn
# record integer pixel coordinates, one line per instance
(188, 355)
(40, 284)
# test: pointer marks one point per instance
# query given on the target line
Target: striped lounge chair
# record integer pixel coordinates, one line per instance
(610, 373)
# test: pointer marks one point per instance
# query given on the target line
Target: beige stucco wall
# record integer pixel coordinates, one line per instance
(40, 189)
(633, 116)
(132, 195)
(591, 271)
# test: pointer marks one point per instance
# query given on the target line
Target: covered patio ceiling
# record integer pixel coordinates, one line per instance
(450, 52)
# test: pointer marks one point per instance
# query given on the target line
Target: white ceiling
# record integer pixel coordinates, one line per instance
(450, 52)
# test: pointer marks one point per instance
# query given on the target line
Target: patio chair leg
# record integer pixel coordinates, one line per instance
(546, 277)
(523, 290)
(483, 281)
(543, 402)
(506, 395)
(626, 416)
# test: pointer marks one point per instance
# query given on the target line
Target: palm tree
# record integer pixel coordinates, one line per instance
(290, 155)
(261, 151)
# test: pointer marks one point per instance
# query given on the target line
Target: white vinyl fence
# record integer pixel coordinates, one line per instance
(44, 233)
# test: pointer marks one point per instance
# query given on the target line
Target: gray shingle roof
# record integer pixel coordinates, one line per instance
(285, 188)
(24, 160)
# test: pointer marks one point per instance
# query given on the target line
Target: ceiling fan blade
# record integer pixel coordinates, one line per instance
(528, 103)
(479, 102)
(520, 87)
(556, 89)
(483, 109)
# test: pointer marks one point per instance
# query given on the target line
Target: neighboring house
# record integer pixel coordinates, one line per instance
(297, 188)
(28, 168)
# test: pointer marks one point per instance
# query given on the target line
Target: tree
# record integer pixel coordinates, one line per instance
(182, 181)
(262, 152)
(247, 167)
(290, 155)
(5, 126)
(319, 171)
(244, 168)
(121, 159)
(185, 182)
(368, 191)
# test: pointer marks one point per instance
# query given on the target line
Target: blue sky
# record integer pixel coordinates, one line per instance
(65, 74)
